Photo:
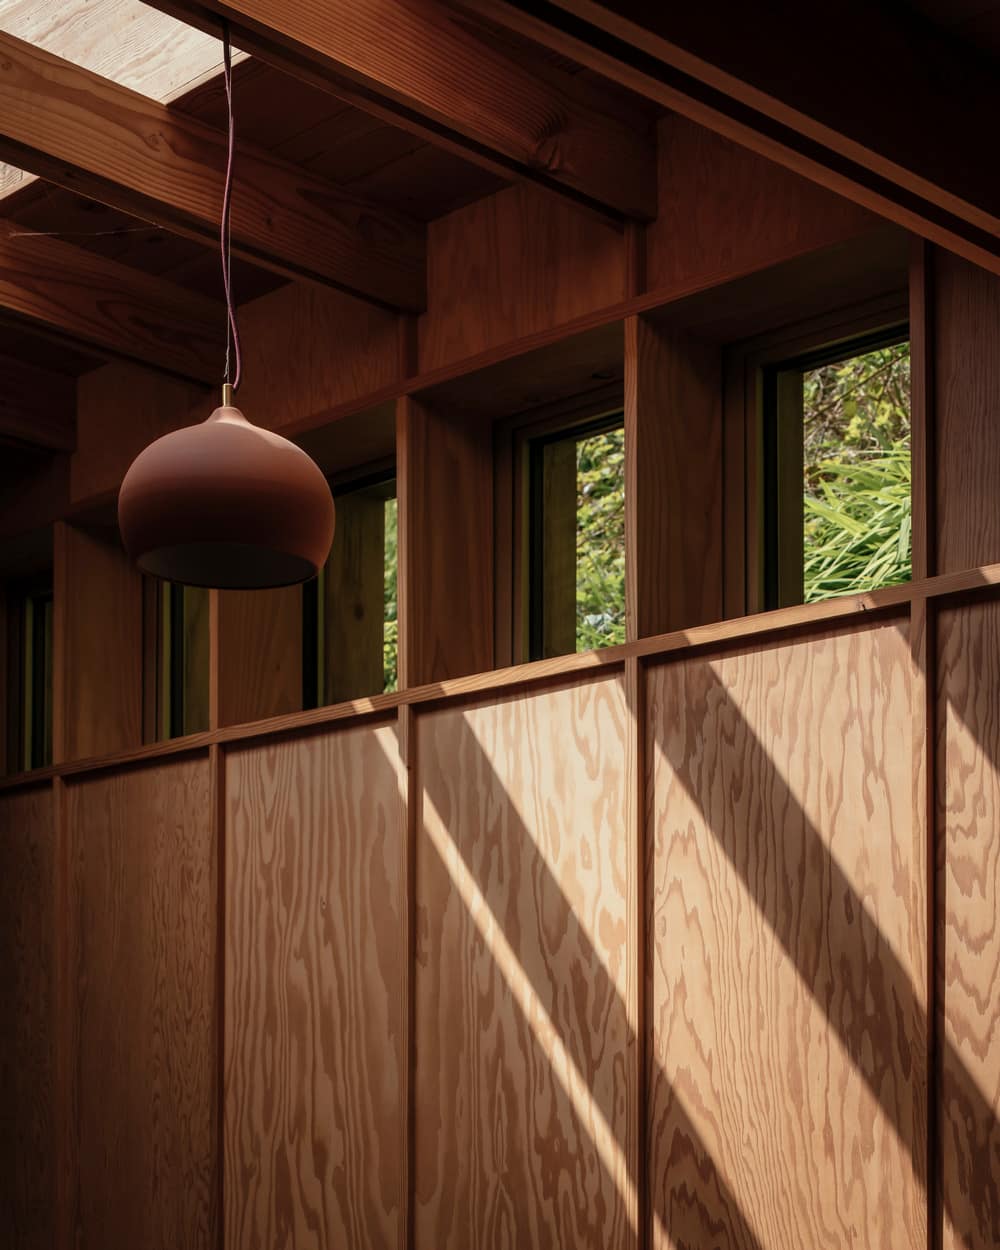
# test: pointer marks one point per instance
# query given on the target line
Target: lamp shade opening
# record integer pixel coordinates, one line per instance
(228, 505)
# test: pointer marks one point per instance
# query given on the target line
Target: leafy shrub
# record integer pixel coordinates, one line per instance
(857, 473)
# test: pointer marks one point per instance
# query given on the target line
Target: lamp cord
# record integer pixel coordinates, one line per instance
(232, 329)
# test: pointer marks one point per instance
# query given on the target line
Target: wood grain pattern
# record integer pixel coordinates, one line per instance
(353, 610)
(445, 483)
(314, 980)
(966, 317)
(723, 68)
(525, 1081)
(968, 908)
(787, 1043)
(311, 349)
(27, 1023)
(143, 891)
(37, 406)
(67, 289)
(512, 264)
(673, 480)
(724, 210)
(97, 653)
(287, 380)
(259, 650)
(112, 427)
(423, 66)
(84, 132)
(122, 39)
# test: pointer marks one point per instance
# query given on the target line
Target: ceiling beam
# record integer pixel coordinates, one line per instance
(37, 406)
(420, 65)
(875, 107)
(106, 142)
(76, 294)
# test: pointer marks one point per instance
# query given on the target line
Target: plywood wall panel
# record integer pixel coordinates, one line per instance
(966, 410)
(525, 1081)
(27, 1033)
(97, 646)
(787, 1042)
(314, 1119)
(512, 264)
(143, 890)
(724, 211)
(968, 792)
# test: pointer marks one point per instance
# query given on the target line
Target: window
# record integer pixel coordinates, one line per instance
(29, 674)
(836, 507)
(350, 619)
(177, 660)
(576, 538)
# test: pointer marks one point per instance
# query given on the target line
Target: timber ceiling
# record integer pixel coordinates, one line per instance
(975, 24)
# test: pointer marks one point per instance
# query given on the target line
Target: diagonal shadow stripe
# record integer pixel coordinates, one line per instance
(874, 1051)
(876, 1040)
(576, 987)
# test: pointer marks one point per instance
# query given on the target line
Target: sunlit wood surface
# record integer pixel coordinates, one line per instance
(525, 1078)
(786, 1040)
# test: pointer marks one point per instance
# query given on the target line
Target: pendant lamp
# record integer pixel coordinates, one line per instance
(225, 503)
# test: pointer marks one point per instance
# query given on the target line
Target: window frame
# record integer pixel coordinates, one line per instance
(518, 561)
(29, 735)
(380, 478)
(761, 489)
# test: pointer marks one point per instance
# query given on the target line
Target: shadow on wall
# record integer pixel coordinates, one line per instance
(572, 1010)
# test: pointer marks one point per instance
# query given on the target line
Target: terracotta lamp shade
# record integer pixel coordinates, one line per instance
(226, 504)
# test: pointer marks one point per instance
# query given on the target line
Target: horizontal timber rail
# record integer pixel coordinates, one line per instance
(846, 610)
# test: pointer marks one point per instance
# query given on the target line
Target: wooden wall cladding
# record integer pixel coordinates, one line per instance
(724, 211)
(258, 648)
(673, 487)
(512, 264)
(311, 348)
(787, 1043)
(966, 324)
(120, 409)
(525, 1081)
(968, 919)
(27, 1033)
(446, 582)
(305, 349)
(315, 970)
(97, 648)
(143, 887)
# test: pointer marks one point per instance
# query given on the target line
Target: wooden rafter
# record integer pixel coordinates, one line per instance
(74, 293)
(88, 134)
(872, 106)
(419, 65)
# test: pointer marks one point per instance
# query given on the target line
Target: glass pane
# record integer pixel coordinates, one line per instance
(390, 623)
(857, 473)
(600, 540)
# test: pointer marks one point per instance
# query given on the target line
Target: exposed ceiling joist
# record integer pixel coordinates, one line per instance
(71, 292)
(90, 135)
(419, 64)
(868, 105)
(37, 407)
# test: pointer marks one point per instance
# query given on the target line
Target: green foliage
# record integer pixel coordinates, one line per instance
(857, 473)
(600, 540)
(390, 631)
